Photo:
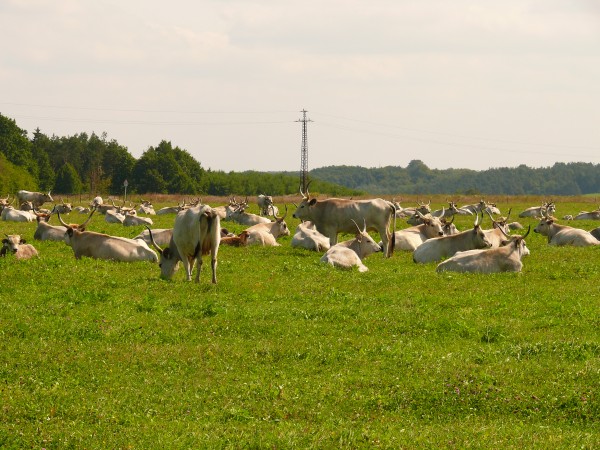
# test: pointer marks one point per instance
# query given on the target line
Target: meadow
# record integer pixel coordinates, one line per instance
(286, 352)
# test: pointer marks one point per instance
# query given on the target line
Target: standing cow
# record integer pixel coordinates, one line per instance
(337, 215)
(37, 198)
(197, 232)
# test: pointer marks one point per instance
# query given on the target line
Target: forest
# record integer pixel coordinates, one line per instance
(92, 164)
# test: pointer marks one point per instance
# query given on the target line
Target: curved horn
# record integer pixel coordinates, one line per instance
(88, 219)
(477, 219)
(153, 242)
(507, 217)
(280, 219)
(489, 214)
(528, 230)
(62, 222)
(359, 232)
(453, 217)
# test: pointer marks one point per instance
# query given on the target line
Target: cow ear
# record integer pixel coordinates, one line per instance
(504, 242)
(312, 202)
(23, 241)
(5, 241)
(70, 231)
(167, 253)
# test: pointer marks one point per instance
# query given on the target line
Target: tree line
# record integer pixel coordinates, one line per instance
(559, 179)
(94, 164)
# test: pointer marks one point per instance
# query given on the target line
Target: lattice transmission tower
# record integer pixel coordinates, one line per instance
(304, 152)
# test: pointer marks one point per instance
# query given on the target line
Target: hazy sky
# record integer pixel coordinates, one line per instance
(460, 83)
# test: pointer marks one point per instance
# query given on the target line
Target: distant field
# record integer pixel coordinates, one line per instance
(287, 352)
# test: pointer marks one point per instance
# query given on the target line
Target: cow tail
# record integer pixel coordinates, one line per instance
(393, 238)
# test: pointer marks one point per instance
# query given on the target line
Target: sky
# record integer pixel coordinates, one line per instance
(456, 84)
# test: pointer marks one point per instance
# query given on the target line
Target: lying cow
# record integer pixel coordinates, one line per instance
(410, 238)
(11, 214)
(348, 254)
(307, 236)
(47, 232)
(439, 248)
(162, 236)
(13, 244)
(588, 215)
(563, 234)
(277, 228)
(506, 258)
(236, 241)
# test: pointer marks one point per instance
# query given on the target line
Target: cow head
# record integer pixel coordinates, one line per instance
(11, 243)
(303, 211)
(481, 240)
(169, 257)
(517, 241)
(448, 226)
(432, 225)
(364, 244)
(282, 228)
(501, 222)
(544, 226)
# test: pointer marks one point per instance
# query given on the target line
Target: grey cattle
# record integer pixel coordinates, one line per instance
(588, 215)
(102, 246)
(410, 238)
(546, 209)
(437, 249)
(47, 232)
(37, 198)
(336, 215)
(264, 201)
(197, 232)
(506, 258)
(162, 236)
(348, 254)
(277, 228)
(306, 236)
(11, 214)
(15, 245)
(563, 234)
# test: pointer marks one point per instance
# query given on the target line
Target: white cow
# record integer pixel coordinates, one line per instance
(162, 236)
(197, 232)
(506, 258)
(439, 248)
(37, 198)
(307, 236)
(348, 254)
(15, 245)
(563, 234)
(114, 217)
(410, 238)
(11, 214)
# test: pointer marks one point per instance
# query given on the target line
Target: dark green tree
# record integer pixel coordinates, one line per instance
(67, 180)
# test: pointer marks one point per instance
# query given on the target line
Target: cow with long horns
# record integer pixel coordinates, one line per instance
(337, 215)
(437, 249)
(506, 258)
(348, 254)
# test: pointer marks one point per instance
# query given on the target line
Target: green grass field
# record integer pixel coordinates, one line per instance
(286, 352)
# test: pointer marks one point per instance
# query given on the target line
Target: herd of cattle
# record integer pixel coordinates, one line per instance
(197, 231)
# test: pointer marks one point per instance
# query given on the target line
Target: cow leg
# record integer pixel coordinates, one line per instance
(213, 265)
(187, 267)
(199, 259)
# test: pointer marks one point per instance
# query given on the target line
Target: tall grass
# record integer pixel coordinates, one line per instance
(287, 352)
